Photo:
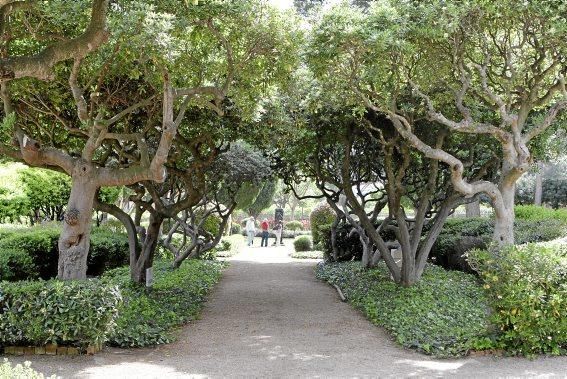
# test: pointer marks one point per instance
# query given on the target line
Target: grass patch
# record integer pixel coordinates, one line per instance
(149, 317)
(445, 314)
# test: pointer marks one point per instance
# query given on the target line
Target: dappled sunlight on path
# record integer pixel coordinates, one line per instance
(270, 317)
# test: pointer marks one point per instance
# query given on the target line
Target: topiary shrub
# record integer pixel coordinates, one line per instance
(302, 243)
(235, 228)
(526, 287)
(16, 265)
(77, 313)
(41, 245)
(108, 250)
(323, 214)
(294, 225)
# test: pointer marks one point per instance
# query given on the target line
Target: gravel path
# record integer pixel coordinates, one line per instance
(269, 317)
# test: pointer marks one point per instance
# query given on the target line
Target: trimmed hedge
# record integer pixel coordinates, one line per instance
(294, 225)
(77, 313)
(533, 212)
(149, 317)
(302, 243)
(460, 235)
(527, 288)
(322, 215)
(444, 314)
(17, 246)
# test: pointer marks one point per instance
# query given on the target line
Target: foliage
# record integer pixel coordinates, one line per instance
(444, 314)
(535, 213)
(527, 289)
(20, 371)
(313, 254)
(47, 192)
(323, 214)
(148, 317)
(232, 245)
(107, 250)
(77, 313)
(536, 224)
(264, 199)
(303, 243)
(235, 228)
(16, 265)
(294, 225)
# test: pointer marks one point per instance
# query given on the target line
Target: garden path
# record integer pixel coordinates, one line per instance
(270, 317)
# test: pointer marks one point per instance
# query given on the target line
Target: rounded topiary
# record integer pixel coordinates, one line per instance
(235, 228)
(294, 225)
(323, 214)
(303, 243)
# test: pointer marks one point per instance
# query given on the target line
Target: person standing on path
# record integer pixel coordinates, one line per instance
(250, 230)
(265, 226)
(278, 226)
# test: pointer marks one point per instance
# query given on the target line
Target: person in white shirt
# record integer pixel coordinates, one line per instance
(250, 230)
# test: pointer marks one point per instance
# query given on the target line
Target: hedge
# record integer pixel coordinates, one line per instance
(76, 313)
(302, 243)
(39, 244)
(20, 371)
(322, 215)
(527, 289)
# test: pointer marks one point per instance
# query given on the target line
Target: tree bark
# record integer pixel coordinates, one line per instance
(538, 186)
(74, 241)
(473, 209)
(504, 216)
(146, 257)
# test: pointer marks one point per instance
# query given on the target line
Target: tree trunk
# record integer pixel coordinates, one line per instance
(538, 186)
(473, 209)
(504, 217)
(292, 208)
(146, 258)
(74, 241)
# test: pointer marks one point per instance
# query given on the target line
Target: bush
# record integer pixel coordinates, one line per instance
(148, 317)
(323, 214)
(234, 243)
(77, 313)
(16, 265)
(527, 289)
(235, 228)
(460, 235)
(444, 314)
(108, 250)
(20, 371)
(535, 213)
(294, 225)
(302, 243)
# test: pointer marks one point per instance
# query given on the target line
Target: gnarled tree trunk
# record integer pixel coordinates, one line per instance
(504, 216)
(145, 258)
(74, 240)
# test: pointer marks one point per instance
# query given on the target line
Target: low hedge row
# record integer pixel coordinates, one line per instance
(460, 235)
(445, 314)
(77, 313)
(148, 317)
(109, 309)
(32, 253)
(534, 212)
(527, 289)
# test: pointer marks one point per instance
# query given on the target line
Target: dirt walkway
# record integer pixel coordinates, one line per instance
(269, 317)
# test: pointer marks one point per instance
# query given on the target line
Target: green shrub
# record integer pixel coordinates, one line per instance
(77, 313)
(235, 228)
(302, 243)
(294, 225)
(108, 250)
(527, 289)
(41, 245)
(148, 317)
(19, 371)
(16, 265)
(458, 233)
(236, 242)
(444, 314)
(323, 214)
(533, 212)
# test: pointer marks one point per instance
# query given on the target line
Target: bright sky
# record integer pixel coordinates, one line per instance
(282, 4)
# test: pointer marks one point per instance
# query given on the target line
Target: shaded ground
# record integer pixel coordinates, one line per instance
(270, 317)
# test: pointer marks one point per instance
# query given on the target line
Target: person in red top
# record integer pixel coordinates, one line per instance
(265, 226)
